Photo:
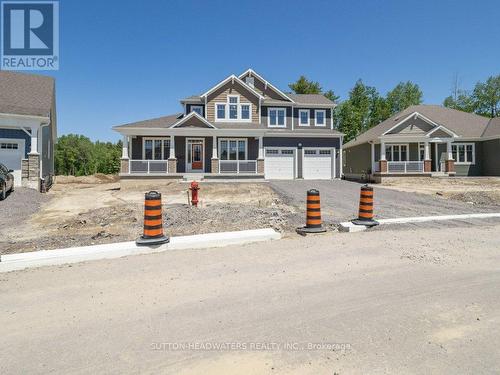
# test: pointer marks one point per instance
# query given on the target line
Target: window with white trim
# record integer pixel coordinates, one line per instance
(233, 110)
(463, 153)
(276, 117)
(155, 148)
(304, 115)
(198, 109)
(421, 151)
(397, 152)
(320, 117)
(232, 149)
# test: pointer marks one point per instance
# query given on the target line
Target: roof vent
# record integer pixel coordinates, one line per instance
(250, 81)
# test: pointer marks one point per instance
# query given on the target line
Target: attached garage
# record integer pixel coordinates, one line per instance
(280, 163)
(318, 163)
(11, 154)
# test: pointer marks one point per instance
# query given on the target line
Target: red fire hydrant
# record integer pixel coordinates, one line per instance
(194, 193)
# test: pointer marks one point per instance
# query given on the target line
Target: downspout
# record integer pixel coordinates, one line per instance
(40, 146)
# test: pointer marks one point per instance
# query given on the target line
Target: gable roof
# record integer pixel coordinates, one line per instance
(466, 125)
(26, 94)
(234, 79)
(252, 73)
(196, 116)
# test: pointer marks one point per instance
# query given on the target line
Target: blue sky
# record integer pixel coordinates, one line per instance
(123, 61)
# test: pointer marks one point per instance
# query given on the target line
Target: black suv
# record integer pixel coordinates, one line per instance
(6, 181)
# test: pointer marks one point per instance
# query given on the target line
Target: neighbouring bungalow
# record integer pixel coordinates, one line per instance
(425, 140)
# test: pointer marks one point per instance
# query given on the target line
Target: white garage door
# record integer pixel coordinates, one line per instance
(279, 163)
(318, 164)
(11, 153)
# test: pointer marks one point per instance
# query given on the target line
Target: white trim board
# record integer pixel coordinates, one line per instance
(252, 73)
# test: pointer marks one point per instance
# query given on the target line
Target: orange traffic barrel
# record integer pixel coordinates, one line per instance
(365, 215)
(153, 221)
(313, 214)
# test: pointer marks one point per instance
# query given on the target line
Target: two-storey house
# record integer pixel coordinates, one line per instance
(242, 127)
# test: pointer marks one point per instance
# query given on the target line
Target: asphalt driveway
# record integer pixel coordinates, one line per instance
(340, 199)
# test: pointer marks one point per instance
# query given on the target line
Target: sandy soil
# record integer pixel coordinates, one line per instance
(480, 190)
(78, 213)
(422, 301)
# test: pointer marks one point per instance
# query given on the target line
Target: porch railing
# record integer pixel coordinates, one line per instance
(148, 166)
(237, 166)
(405, 166)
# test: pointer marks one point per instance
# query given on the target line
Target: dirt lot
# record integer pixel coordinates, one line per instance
(85, 211)
(91, 210)
(473, 190)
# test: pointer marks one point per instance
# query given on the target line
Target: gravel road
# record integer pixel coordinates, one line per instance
(19, 206)
(420, 301)
(340, 199)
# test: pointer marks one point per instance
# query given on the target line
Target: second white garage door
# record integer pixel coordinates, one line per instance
(279, 163)
(318, 163)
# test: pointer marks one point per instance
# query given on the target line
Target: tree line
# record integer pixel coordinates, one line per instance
(366, 107)
(77, 155)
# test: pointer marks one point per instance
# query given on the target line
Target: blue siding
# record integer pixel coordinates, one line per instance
(17, 134)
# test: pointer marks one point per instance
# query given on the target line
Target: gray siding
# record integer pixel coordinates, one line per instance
(312, 117)
(305, 142)
(471, 169)
(357, 159)
(490, 156)
(288, 121)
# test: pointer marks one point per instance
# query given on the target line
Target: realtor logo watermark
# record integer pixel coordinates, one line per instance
(30, 35)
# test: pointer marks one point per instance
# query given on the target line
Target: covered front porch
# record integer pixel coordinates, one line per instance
(413, 158)
(179, 155)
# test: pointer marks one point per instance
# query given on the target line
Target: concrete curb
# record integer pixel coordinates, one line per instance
(350, 227)
(12, 262)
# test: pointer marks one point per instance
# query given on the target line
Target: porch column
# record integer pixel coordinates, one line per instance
(172, 161)
(260, 158)
(382, 161)
(215, 160)
(34, 140)
(125, 147)
(450, 163)
(124, 161)
(33, 163)
(427, 158)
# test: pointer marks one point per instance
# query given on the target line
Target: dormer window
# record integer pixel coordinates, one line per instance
(198, 109)
(233, 110)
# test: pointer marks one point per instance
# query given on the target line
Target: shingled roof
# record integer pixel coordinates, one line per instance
(466, 125)
(159, 122)
(26, 94)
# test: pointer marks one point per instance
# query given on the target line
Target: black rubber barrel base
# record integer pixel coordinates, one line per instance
(305, 230)
(366, 223)
(142, 241)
